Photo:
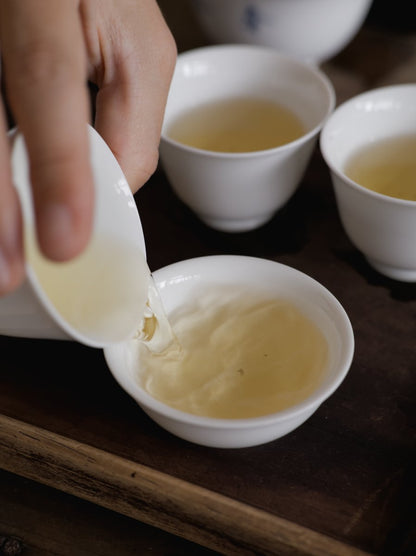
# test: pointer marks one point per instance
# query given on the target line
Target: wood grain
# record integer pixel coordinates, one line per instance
(155, 498)
(341, 483)
(48, 522)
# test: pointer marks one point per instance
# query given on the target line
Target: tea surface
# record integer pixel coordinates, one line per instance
(387, 167)
(237, 125)
(240, 356)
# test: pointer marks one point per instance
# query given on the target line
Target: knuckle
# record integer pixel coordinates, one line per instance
(147, 167)
(167, 51)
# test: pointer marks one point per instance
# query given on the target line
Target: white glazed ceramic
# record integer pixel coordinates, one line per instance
(28, 312)
(383, 228)
(312, 30)
(180, 283)
(235, 192)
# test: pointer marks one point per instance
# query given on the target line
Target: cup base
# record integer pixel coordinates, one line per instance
(401, 274)
(237, 225)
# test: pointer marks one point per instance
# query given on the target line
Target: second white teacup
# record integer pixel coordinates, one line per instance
(240, 191)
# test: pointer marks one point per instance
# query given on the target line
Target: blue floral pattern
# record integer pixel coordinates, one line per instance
(251, 18)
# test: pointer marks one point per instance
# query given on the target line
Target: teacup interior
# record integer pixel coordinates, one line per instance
(271, 280)
(373, 116)
(98, 297)
(215, 73)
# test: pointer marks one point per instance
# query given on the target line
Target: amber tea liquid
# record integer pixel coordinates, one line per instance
(241, 355)
(86, 293)
(237, 125)
(387, 167)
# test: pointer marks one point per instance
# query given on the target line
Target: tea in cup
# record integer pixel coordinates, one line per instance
(369, 144)
(240, 126)
(240, 379)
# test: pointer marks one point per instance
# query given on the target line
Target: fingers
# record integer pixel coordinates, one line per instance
(135, 65)
(11, 251)
(45, 73)
(45, 45)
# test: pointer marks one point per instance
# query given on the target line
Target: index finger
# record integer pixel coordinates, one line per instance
(45, 74)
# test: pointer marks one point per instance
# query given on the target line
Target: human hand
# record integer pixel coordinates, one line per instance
(50, 49)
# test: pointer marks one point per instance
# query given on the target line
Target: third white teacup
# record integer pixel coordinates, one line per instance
(369, 144)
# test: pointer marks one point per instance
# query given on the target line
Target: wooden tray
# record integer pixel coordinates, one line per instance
(343, 483)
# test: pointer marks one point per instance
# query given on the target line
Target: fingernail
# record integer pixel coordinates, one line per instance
(10, 248)
(56, 230)
(5, 274)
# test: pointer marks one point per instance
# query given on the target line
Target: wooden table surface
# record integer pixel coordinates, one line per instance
(341, 484)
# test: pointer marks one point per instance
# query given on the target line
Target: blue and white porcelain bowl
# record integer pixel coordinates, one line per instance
(312, 30)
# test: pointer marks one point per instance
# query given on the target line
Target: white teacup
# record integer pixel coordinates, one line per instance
(180, 284)
(235, 192)
(382, 227)
(98, 298)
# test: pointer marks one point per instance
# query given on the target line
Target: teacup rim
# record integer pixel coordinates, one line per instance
(309, 404)
(237, 47)
(335, 168)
